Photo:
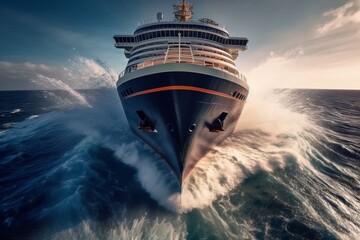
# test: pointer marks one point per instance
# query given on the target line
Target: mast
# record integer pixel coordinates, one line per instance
(183, 11)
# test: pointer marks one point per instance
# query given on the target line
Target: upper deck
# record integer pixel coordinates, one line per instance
(183, 40)
(189, 29)
(203, 24)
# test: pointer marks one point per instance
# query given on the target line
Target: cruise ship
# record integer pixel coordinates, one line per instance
(181, 91)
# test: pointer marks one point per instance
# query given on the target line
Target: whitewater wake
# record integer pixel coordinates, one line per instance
(262, 141)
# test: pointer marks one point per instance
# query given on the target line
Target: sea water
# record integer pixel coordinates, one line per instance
(70, 168)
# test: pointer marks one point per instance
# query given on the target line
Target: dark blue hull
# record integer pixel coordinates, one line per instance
(181, 115)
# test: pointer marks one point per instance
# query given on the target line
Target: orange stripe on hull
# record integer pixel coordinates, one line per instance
(186, 88)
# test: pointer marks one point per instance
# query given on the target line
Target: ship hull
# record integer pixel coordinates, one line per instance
(179, 109)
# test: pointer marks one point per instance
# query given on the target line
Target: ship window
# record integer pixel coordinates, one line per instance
(237, 95)
(234, 93)
(192, 127)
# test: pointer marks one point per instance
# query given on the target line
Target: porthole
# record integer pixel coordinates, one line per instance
(192, 127)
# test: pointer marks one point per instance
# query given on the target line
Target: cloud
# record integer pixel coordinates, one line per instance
(344, 16)
(83, 73)
(329, 59)
(296, 69)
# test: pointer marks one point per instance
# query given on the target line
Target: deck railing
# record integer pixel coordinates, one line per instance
(158, 61)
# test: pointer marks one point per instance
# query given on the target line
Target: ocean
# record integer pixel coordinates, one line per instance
(71, 169)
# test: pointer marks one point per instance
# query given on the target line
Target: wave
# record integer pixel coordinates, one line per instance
(264, 140)
(17, 110)
(33, 116)
(280, 172)
(59, 84)
(139, 228)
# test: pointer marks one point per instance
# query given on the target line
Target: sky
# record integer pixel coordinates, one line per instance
(292, 43)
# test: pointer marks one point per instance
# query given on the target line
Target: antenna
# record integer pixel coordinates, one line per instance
(183, 11)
